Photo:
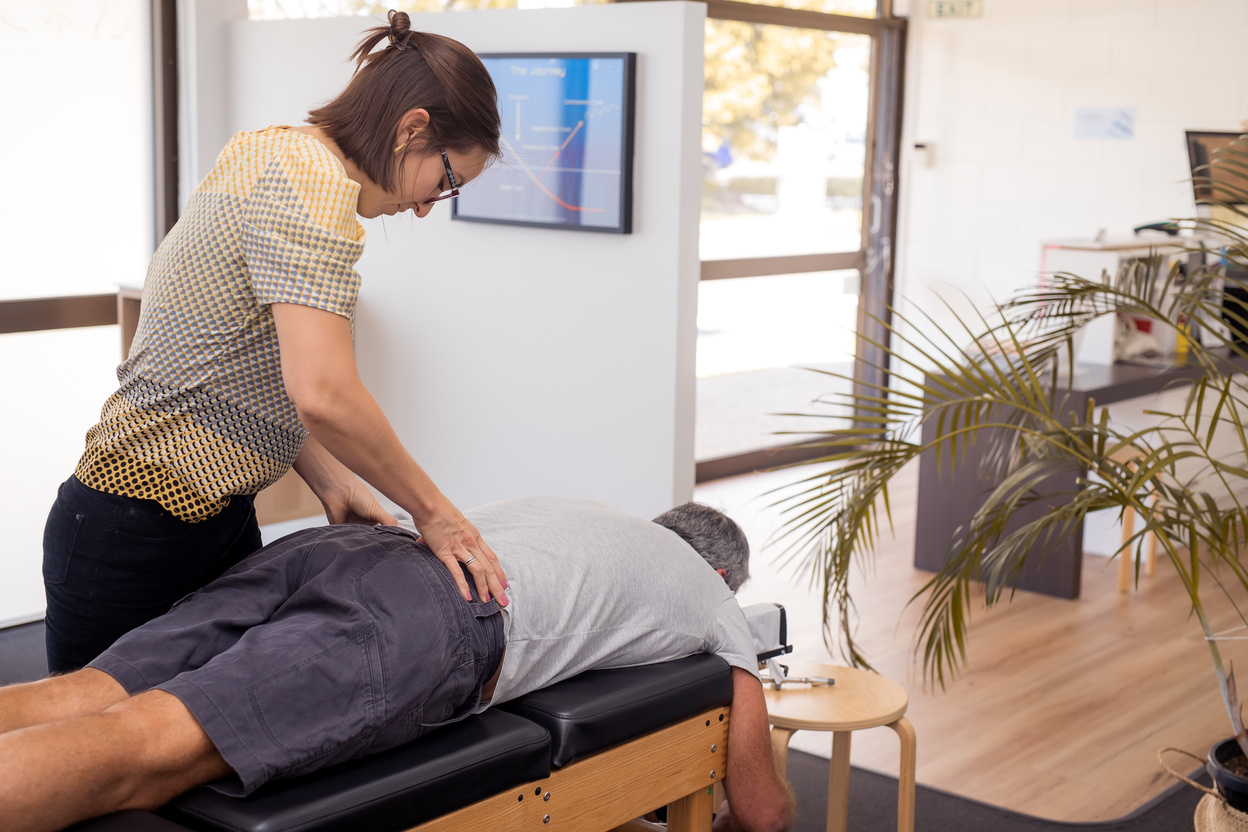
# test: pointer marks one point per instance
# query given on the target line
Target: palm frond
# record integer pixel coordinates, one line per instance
(999, 381)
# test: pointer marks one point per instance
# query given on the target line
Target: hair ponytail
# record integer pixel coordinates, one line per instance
(414, 70)
(398, 31)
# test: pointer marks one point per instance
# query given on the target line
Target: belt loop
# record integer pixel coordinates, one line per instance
(487, 608)
(396, 530)
(491, 632)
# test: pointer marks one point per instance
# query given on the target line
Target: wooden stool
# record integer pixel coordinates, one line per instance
(1126, 558)
(858, 700)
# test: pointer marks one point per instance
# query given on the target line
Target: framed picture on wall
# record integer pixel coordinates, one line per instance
(567, 141)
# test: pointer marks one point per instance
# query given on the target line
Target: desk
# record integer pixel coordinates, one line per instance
(1090, 258)
(947, 501)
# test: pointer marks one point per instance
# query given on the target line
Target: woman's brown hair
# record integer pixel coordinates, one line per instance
(416, 70)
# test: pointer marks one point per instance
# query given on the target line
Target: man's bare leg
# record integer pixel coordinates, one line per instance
(138, 754)
(82, 692)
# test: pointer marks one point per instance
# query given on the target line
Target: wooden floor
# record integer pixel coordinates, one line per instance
(1065, 703)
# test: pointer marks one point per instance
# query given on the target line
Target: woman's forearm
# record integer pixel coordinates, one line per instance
(318, 370)
(350, 425)
(324, 474)
(319, 373)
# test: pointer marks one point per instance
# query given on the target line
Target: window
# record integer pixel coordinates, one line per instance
(77, 102)
(799, 118)
(77, 213)
(286, 9)
(784, 140)
(759, 338)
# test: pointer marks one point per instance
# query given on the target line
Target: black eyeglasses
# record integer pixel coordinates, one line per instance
(450, 179)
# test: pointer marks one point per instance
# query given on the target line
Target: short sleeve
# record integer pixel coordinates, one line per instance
(731, 639)
(300, 237)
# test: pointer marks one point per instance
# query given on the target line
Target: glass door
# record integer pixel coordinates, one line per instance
(789, 199)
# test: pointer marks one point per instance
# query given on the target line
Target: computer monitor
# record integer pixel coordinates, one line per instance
(1201, 146)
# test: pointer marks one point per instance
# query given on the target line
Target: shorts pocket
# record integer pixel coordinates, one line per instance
(400, 731)
(324, 706)
(454, 699)
(459, 693)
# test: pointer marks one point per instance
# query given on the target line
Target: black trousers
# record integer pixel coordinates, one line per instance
(112, 563)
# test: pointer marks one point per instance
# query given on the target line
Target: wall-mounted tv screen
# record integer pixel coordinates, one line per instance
(567, 140)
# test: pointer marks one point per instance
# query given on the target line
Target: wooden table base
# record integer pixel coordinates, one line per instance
(838, 774)
(858, 700)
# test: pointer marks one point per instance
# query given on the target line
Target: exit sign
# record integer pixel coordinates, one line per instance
(955, 8)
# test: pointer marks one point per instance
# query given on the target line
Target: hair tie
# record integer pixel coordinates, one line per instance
(400, 29)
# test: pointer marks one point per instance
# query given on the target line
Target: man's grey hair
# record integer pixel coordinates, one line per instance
(713, 535)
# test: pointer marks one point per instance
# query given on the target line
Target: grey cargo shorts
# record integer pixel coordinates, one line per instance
(324, 646)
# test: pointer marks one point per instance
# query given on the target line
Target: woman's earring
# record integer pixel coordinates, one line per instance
(400, 148)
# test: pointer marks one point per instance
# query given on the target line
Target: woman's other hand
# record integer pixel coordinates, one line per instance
(344, 498)
(358, 505)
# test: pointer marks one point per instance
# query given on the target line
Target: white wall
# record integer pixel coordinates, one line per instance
(203, 102)
(516, 360)
(997, 97)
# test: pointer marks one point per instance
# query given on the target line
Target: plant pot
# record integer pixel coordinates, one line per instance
(1231, 786)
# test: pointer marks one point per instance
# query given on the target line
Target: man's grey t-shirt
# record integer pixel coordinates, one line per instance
(592, 586)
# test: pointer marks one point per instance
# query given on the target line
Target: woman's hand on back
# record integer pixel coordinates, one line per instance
(454, 540)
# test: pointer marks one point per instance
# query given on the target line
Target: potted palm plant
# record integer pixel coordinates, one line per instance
(998, 378)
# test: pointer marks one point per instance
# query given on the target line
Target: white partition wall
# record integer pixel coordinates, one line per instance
(514, 360)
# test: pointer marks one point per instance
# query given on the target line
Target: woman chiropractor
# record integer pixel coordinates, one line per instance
(243, 366)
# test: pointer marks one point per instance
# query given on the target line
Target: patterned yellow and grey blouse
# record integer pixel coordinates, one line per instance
(201, 412)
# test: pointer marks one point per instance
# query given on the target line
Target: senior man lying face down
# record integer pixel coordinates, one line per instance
(340, 641)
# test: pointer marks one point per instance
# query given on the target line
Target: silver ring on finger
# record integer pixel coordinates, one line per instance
(470, 560)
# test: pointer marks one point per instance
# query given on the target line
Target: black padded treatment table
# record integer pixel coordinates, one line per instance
(585, 755)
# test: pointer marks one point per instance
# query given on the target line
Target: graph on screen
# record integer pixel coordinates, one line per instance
(567, 141)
